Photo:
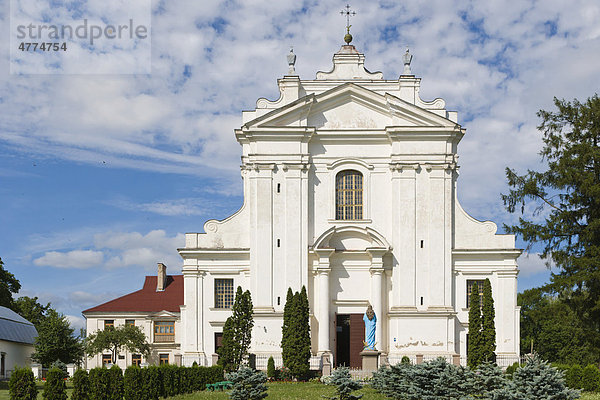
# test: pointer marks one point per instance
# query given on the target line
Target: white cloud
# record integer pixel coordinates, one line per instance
(532, 264)
(189, 207)
(80, 259)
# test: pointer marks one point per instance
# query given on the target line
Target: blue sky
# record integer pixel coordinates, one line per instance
(101, 174)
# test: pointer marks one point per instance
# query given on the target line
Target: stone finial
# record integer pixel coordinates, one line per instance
(407, 58)
(291, 59)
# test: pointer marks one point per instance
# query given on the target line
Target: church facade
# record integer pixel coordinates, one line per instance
(350, 189)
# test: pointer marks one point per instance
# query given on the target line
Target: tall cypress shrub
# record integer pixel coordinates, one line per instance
(591, 378)
(488, 331)
(285, 328)
(21, 385)
(55, 387)
(115, 383)
(133, 384)
(99, 383)
(475, 342)
(81, 385)
(237, 332)
(153, 386)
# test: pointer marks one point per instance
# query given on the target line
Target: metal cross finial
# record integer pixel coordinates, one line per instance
(348, 14)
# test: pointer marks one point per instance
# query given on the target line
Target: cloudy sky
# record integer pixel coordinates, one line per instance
(103, 168)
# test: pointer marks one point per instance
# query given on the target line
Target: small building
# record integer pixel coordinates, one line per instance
(155, 308)
(17, 338)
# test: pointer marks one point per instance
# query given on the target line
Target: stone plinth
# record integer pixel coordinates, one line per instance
(370, 360)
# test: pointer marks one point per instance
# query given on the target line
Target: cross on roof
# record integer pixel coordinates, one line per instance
(348, 14)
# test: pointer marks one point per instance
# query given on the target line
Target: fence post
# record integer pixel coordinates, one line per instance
(419, 358)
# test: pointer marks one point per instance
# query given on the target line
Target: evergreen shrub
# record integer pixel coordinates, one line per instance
(99, 383)
(510, 370)
(247, 384)
(271, 368)
(170, 380)
(55, 387)
(344, 385)
(405, 360)
(115, 383)
(574, 376)
(591, 378)
(21, 385)
(133, 383)
(538, 380)
(81, 385)
(153, 386)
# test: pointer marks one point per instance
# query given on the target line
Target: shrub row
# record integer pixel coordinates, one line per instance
(577, 377)
(111, 384)
(439, 380)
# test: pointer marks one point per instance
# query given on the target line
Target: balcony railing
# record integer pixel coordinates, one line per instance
(164, 338)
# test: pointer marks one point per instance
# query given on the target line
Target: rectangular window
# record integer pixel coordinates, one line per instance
(163, 359)
(470, 289)
(136, 359)
(109, 323)
(106, 359)
(164, 331)
(224, 293)
(218, 340)
(129, 322)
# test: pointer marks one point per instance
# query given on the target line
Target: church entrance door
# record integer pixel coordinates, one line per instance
(350, 334)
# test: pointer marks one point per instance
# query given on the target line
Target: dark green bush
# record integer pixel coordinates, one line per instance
(99, 383)
(510, 370)
(22, 385)
(591, 378)
(170, 379)
(55, 387)
(153, 386)
(574, 376)
(271, 368)
(81, 385)
(133, 384)
(405, 360)
(115, 384)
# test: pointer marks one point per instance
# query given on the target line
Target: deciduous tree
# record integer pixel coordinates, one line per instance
(31, 310)
(8, 285)
(115, 339)
(55, 341)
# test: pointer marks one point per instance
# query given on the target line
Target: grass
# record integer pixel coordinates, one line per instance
(283, 391)
(286, 390)
(4, 395)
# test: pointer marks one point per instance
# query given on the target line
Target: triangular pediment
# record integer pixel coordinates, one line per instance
(350, 106)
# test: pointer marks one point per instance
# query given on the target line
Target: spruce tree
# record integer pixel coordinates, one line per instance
(237, 332)
(475, 342)
(248, 384)
(537, 380)
(488, 331)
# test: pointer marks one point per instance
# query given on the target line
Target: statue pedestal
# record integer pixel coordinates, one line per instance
(370, 360)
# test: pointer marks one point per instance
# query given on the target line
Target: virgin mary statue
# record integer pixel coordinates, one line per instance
(370, 321)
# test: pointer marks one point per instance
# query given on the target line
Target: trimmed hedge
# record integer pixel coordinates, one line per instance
(22, 385)
(591, 378)
(115, 383)
(81, 385)
(55, 387)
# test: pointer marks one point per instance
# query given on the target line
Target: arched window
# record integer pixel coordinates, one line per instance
(349, 195)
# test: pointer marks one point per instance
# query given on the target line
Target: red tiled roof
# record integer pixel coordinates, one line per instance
(147, 299)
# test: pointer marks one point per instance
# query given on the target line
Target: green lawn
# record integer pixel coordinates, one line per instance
(298, 391)
(286, 391)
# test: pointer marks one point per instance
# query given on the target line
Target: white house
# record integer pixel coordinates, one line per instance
(155, 309)
(17, 338)
(350, 189)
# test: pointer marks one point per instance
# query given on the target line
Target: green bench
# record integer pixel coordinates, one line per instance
(219, 386)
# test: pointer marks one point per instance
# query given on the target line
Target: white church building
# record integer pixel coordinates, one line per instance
(350, 189)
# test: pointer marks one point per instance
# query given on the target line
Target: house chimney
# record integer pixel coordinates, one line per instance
(161, 280)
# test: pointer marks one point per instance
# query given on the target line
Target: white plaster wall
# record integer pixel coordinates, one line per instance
(16, 354)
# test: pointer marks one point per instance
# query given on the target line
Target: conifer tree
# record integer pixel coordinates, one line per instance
(488, 331)
(237, 332)
(475, 342)
(538, 380)
(285, 328)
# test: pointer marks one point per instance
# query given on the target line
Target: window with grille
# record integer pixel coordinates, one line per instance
(136, 359)
(129, 322)
(349, 195)
(164, 331)
(106, 359)
(224, 293)
(470, 289)
(109, 323)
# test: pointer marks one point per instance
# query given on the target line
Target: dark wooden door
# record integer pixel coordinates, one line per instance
(342, 339)
(350, 334)
(357, 337)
